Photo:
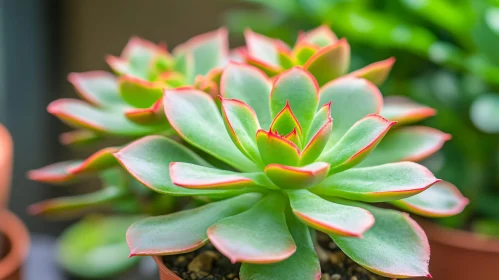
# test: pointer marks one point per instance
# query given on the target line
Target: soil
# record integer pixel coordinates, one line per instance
(207, 263)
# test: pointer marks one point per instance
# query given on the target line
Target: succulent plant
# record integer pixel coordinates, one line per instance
(292, 171)
(319, 51)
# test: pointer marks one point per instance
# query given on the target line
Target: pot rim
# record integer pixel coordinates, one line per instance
(17, 234)
(166, 273)
(460, 238)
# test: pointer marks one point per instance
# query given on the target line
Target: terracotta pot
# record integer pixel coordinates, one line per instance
(461, 255)
(16, 245)
(164, 272)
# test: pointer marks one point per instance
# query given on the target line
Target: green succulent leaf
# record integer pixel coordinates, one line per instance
(321, 36)
(79, 137)
(303, 264)
(413, 143)
(148, 160)
(330, 217)
(357, 143)
(298, 88)
(351, 100)
(441, 200)
(97, 87)
(95, 247)
(100, 160)
(289, 177)
(316, 145)
(77, 113)
(200, 177)
(285, 122)
(195, 116)
(71, 206)
(276, 149)
(209, 50)
(395, 246)
(250, 85)
(183, 231)
(330, 62)
(56, 173)
(262, 49)
(404, 110)
(139, 93)
(152, 116)
(259, 235)
(303, 52)
(376, 72)
(381, 183)
(242, 124)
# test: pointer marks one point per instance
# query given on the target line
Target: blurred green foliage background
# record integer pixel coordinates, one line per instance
(447, 55)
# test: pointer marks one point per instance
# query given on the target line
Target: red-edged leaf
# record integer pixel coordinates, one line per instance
(250, 85)
(321, 36)
(140, 93)
(394, 247)
(329, 217)
(285, 122)
(290, 177)
(183, 231)
(97, 87)
(330, 62)
(259, 235)
(404, 111)
(387, 182)
(357, 143)
(98, 161)
(267, 69)
(242, 124)
(197, 119)
(199, 177)
(298, 88)
(55, 173)
(78, 137)
(413, 143)
(441, 200)
(276, 149)
(316, 145)
(77, 113)
(71, 206)
(303, 52)
(262, 49)
(154, 115)
(376, 72)
(294, 137)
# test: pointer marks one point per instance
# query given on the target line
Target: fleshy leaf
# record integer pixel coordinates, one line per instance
(148, 160)
(289, 177)
(381, 183)
(55, 173)
(352, 99)
(285, 122)
(303, 264)
(303, 52)
(140, 93)
(195, 116)
(152, 116)
(242, 124)
(330, 62)
(413, 143)
(98, 161)
(259, 235)
(395, 246)
(86, 247)
(82, 115)
(78, 137)
(276, 149)
(322, 116)
(316, 145)
(183, 231)
(294, 137)
(321, 36)
(250, 85)
(209, 50)
(97, 87)
(262, 49)
(300, 89)
(71, 206)
(330, 217)
(376, 72)
(404, 110)
(200, 177)
(357, 143)
(441, 200)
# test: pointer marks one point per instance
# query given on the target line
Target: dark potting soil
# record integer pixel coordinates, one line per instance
(207, 263)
